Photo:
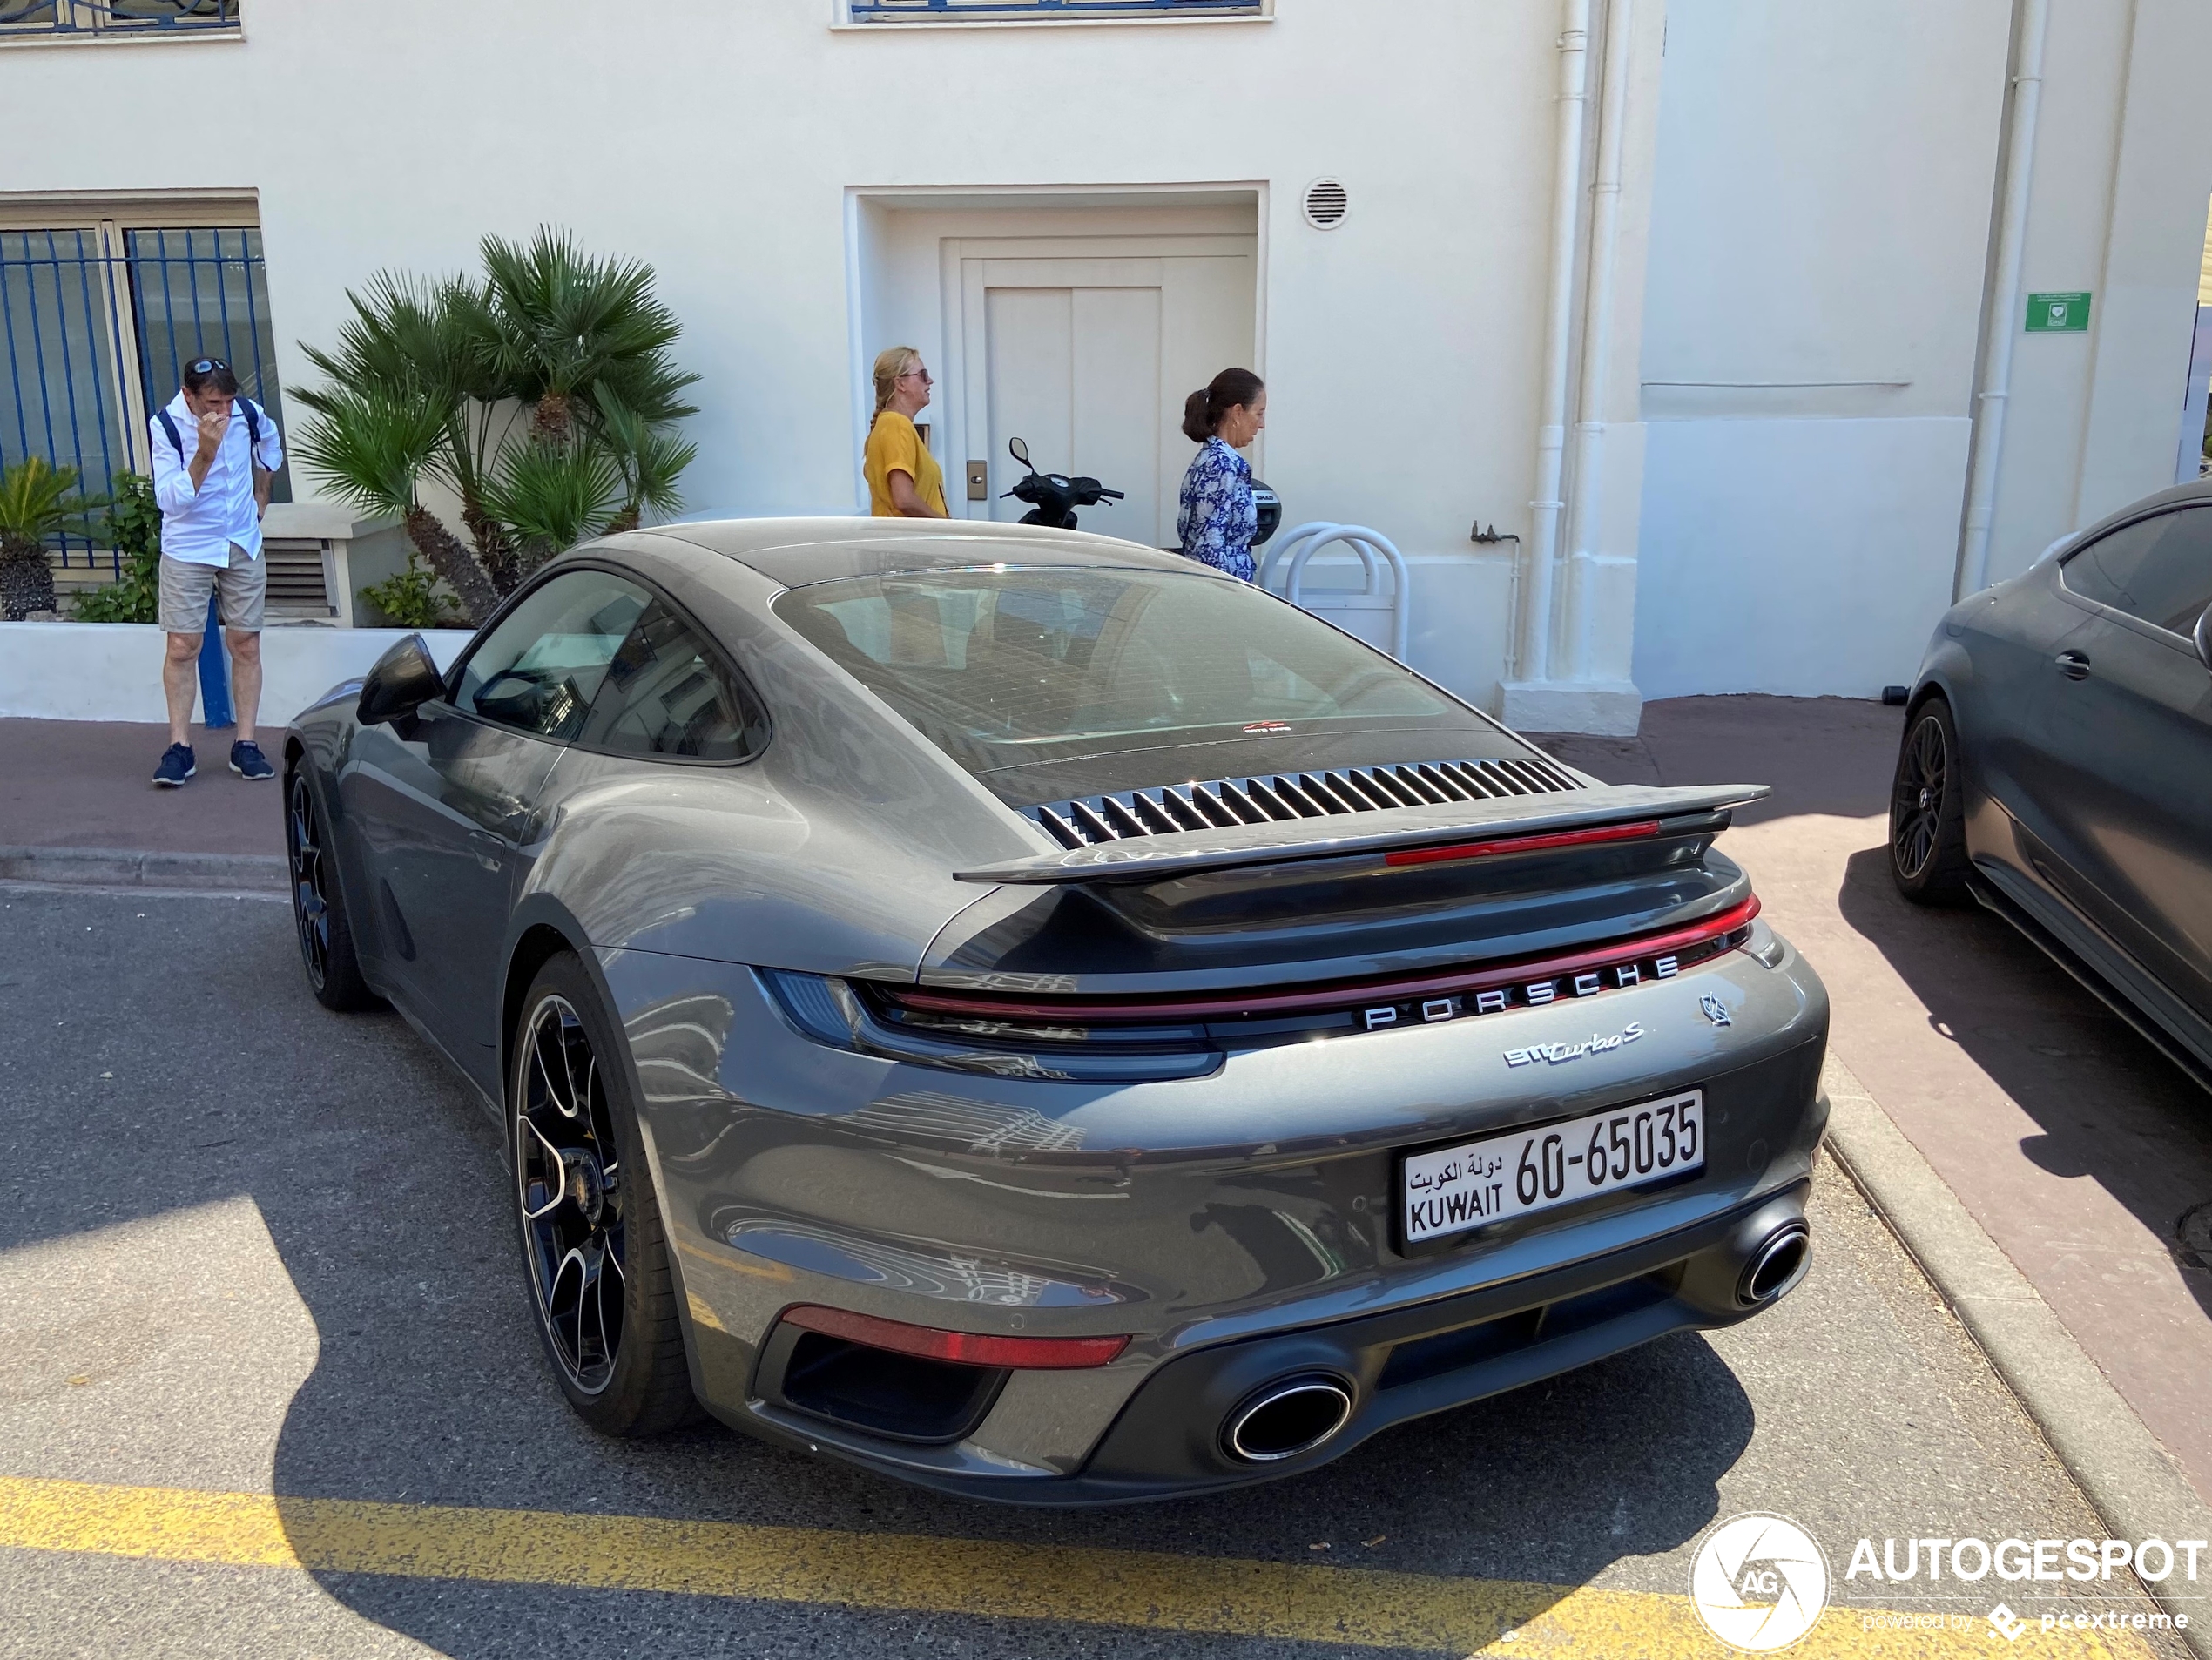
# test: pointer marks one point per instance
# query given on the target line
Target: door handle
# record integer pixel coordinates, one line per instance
(2072, 665)
(486, 848)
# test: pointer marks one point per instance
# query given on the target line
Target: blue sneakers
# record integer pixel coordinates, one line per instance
(247, 761)
(176, 767)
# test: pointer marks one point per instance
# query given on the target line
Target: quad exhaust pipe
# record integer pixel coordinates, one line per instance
(1287, 1417)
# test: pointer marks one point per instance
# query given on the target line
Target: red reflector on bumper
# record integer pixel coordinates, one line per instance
(962, 1348)
(1524, 844)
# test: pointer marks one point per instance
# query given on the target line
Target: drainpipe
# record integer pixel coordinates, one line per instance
(1597, 333)
(2005, 302)
(1551, 437)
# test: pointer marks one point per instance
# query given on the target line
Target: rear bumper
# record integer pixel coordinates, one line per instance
(1226, 1225)
(1398, 1366)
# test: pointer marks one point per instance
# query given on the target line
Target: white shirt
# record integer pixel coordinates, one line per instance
(198, 526)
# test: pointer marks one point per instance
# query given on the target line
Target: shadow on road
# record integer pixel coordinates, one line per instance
(2111, 1108)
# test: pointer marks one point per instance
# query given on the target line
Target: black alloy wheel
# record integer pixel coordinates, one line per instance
(1927, 810)
(592, 1244)
(569, 1168)
(318, 908)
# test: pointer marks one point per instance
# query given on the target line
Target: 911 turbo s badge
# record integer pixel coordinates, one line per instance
(1555, 1053)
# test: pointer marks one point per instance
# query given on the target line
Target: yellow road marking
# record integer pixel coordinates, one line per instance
(1061, 1584)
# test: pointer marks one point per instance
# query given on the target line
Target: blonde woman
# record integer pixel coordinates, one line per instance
(904, 479)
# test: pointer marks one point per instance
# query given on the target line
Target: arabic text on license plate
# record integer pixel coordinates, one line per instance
(1480, 1181)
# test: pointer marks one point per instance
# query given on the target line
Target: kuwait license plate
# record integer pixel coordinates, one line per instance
(1500, 1177)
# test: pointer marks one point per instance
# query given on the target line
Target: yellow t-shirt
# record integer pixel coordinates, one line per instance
(896, 447)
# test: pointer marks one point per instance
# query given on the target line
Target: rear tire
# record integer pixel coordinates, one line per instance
(1928, 810)
(318, 917)
(595, 1255)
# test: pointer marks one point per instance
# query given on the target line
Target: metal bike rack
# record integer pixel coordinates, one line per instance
(1289, 556)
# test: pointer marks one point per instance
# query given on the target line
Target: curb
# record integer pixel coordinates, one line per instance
(2115, 1461)
(228, 873)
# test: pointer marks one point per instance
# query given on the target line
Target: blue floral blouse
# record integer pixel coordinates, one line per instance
(1218, 518)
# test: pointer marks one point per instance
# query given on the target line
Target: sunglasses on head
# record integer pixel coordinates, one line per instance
(205, 366)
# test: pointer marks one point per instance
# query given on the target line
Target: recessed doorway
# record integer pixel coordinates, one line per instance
(1080, 330)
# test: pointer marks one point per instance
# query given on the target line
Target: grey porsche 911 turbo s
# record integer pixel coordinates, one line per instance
(1029, 1015)
(2057, 765)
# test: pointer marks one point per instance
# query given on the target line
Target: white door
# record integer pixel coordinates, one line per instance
(1088, 361)
(1075, 373)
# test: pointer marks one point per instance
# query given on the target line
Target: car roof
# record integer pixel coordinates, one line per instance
(798, 551)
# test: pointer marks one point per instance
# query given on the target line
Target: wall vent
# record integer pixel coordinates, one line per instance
(1327, 202)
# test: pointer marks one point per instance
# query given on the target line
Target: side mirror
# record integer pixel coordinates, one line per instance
(1020, 450)
(405, 679)
(2204, 637)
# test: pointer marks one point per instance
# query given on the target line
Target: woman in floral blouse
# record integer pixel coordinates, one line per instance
(1218, 518)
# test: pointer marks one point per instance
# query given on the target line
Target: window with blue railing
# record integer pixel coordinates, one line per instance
(97, 19)
(897, 12)
(96, 323)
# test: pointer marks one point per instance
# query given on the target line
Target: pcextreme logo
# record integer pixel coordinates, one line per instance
(1758, 1582)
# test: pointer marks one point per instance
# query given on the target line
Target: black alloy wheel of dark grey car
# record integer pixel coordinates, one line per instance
(318, 908)
(592, 1243)
(1927, 810)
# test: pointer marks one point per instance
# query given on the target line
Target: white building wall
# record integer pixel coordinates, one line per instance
(1820, 227)
(719, 143)
(1823, 231)
(1805, 233)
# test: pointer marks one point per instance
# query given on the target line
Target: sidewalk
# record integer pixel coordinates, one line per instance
(2075, 1145)
(88, 783)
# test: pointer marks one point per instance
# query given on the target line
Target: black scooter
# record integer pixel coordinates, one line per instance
(1054, 497)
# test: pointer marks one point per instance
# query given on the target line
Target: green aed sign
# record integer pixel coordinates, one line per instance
(2057, 313)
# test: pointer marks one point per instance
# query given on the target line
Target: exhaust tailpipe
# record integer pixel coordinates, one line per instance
(1290, 1416)
(1776, 1266)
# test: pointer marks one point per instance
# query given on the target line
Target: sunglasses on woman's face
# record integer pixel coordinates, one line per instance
(922, 373)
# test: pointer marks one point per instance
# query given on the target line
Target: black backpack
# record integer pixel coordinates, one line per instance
(253, 427)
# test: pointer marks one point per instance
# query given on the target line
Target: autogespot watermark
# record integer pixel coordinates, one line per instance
(1759, 1583)
(1971, 1561)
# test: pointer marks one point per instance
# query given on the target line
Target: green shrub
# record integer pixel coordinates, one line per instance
(132, 525)
(416, 598)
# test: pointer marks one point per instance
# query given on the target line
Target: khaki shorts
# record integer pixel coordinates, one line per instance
(185, 588)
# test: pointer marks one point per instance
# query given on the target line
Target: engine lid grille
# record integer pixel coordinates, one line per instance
(1086, 820)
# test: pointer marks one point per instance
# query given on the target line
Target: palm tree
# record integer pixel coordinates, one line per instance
(375, 449)
(427, 347)
(569, 324)
(36, 500)
(424, 384)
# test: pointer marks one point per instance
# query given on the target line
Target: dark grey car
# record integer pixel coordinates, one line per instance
(1028, 1014)
(2057, 764)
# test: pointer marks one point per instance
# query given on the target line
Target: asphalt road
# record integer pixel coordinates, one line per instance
(248, 1247)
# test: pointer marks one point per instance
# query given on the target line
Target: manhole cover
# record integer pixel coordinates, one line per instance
(2195, 1233)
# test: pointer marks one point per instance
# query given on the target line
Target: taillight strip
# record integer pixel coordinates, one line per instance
(1523, 844)
(1339, 996)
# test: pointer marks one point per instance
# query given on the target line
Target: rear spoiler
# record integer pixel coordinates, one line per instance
(1187, 853)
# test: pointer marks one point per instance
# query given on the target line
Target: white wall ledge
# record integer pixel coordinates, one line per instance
(901, 25)
(9, 42)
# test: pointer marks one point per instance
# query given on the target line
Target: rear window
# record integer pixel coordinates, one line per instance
(999, 667)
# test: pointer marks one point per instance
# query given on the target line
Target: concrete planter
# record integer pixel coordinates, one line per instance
(112, 670)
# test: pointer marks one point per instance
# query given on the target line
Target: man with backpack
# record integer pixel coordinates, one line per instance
(213, 453)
